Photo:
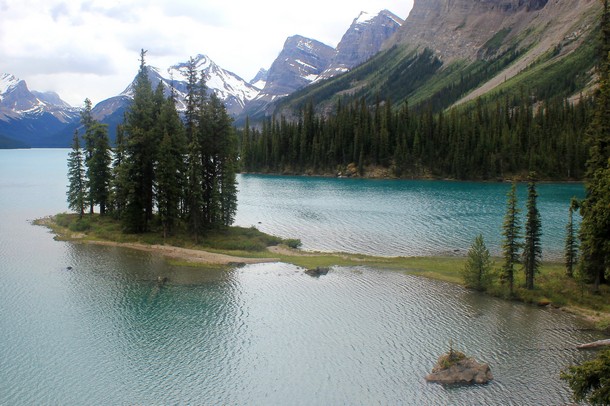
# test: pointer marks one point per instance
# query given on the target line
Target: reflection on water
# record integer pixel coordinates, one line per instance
(106, 332)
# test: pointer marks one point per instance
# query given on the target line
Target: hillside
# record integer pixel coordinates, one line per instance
(451, 51)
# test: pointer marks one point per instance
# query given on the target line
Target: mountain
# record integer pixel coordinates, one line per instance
(299, 63)
(363, 39)
(260, 80)
(229, 87)
(32, 118)
(304, 61)
(451, 51)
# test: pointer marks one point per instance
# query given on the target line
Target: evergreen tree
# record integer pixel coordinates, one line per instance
(170, 166)
(98, 159)
(511, 230)
(590, 381)
(140, 153)
(595, 226)
(119, 182)
(87, 122)
(99, 167)
(477, 270)
(571, 244)
(77, 183)
(532, 250)
(194, 198)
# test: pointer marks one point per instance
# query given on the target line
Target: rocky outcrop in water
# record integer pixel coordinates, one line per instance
(455, 368)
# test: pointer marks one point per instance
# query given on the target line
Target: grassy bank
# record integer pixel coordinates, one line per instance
(553, 287)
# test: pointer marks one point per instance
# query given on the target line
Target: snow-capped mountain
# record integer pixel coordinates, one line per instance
(304, 61)
(229, 87)
(16, 100)
(260, 80)
(299, 63)
(362, 40)
(31, 117)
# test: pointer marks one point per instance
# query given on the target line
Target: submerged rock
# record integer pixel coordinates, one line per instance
(317, 271)
(455, 368)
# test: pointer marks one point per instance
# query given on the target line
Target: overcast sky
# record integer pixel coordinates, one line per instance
(90, 48)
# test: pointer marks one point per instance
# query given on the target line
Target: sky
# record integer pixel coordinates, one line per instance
(90, 48)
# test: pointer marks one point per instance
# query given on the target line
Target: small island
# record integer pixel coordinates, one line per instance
(455, 368)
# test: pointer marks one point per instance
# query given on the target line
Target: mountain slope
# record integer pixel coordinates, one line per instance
(32, 118)
(454, 50)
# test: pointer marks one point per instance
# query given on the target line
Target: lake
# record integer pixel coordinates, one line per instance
(104, 333)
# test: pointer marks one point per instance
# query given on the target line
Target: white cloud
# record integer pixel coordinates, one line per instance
(90, 48)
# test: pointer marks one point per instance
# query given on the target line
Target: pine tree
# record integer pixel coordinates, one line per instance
(595, 226)
(170, 166)
(118, 182)
(512, 233)
(87, 122)
(77, 182)
(590, 381)
(532, 250)
(98, 159)
(571, 244)
(140, 153)
(477, 270)
(194, 198)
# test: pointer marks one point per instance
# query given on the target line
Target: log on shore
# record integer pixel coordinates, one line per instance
(594, 344)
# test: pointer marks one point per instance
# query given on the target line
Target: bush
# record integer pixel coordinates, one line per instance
(80, 225)
(293, 242)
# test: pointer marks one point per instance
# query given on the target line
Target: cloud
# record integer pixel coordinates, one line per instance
(50, 41)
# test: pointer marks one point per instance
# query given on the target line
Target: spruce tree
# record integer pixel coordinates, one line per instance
(170, 166)
(98, 159)
(511, 230)
(571, 243)
(595, 226)
(477, 270)
(140, 153)
(77, 183)
(532, 250)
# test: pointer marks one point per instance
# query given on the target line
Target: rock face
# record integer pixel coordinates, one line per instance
(298, 64)
(362, 40)
(469, 29)
(466, 371)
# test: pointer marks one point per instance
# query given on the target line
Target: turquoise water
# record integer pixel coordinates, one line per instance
(103, 332)
(396, 218)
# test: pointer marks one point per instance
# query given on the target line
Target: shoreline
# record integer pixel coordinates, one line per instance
(190, 255)
(443, 268)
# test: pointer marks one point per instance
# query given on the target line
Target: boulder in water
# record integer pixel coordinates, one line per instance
(455, 368)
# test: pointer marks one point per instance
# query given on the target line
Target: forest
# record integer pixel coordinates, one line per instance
(166, 172)
(480, 141)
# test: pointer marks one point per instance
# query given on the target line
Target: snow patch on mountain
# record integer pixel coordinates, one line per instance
(7, 82)
(226, 84)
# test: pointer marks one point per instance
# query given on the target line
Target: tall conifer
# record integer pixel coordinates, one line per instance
(532, 249)
(77, 182)
(595, 226)
(511, 230)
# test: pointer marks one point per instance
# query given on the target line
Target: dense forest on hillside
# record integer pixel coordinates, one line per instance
(483, 140)
(400, 112)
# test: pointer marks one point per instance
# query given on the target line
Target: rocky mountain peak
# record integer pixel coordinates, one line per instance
(299, 63)
(260, 79)
(362, 40)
